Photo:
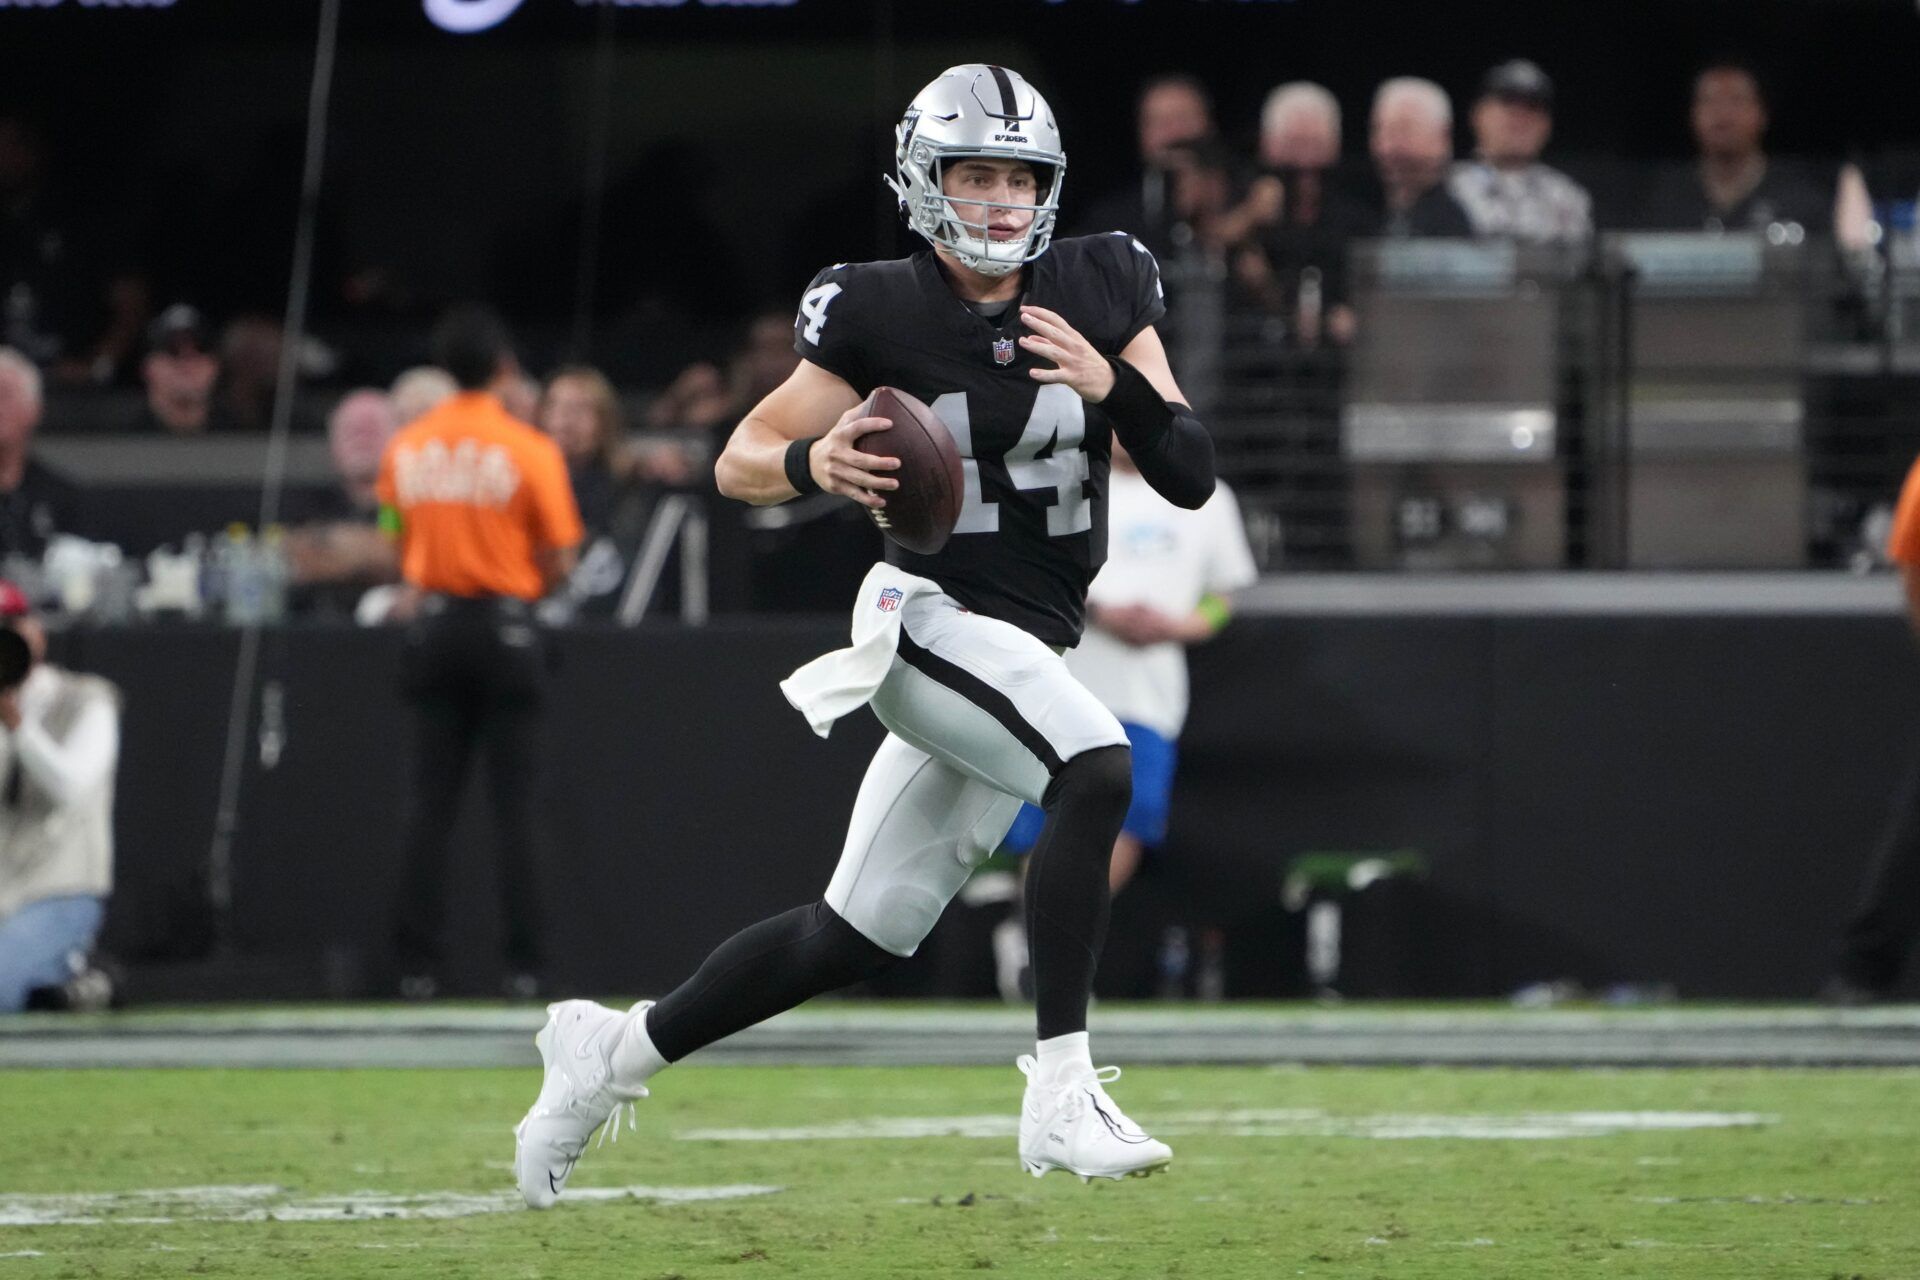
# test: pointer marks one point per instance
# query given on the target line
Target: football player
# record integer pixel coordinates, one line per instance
(1036, 354)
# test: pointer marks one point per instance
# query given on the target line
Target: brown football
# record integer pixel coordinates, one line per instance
(921, 513)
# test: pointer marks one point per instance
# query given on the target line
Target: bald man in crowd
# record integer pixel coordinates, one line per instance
(419, 389)
(36, 502)
(1314, 218)
(1412, 144)
(337, 550)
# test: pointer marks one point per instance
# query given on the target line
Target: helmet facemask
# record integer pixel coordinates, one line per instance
(986, 113)
(973, 242)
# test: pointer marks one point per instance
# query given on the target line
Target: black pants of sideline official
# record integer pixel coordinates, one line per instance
(1886, 923)
(474, 674)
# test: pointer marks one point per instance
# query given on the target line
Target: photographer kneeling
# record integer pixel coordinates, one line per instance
(59, 744)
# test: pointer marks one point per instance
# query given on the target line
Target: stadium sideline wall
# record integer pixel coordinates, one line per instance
(1650, 799)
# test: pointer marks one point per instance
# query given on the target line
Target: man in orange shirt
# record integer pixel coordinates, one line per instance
(486, 523)
(1876, 940)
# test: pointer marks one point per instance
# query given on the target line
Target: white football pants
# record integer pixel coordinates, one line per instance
(980, 716)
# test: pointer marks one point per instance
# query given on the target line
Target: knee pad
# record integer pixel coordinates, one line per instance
(1097, 781)
(855, 956)
(897, 911)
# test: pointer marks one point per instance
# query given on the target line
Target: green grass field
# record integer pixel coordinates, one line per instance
(1277, 1172)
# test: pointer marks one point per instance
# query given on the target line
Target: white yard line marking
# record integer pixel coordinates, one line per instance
(156, 1206)
(1295, 1123)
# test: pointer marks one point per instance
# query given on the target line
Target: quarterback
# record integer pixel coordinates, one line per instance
(1036, 354)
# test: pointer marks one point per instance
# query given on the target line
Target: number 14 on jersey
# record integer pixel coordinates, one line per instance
(1059, 419)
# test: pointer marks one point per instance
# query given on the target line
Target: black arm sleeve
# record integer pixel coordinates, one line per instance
(1167, 441)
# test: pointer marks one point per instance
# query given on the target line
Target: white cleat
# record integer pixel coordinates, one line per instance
(1075, 1126)
(576, 1098)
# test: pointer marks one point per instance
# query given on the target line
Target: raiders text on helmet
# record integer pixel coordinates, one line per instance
(977, 110)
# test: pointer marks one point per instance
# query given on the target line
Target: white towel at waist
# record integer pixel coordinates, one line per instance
(836, 683)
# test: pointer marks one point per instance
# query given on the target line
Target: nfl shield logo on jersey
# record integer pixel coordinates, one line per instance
(1003, 350)
(889, 599)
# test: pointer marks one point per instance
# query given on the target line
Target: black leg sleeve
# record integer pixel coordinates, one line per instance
(764, 969)
(1067, 898)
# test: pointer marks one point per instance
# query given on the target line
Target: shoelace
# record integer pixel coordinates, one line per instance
(1080, 1087)
(612, 1126)
(1085, 1090)
(609, 1128)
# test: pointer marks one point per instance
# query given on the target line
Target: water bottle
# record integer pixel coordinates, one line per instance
(1323, 943)
(273, 723)
(270, 559)
(1175, 956)
(1308, 309)
(1210, 984)
(244, 587)
(21, 314)
(212, 557)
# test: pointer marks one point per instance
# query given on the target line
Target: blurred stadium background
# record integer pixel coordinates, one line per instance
(1573, 588)
(1576, 673)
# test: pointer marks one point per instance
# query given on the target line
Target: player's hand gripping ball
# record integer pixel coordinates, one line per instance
(921, 513)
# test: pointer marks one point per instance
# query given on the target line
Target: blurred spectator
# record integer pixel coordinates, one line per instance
(1505, 189)
(179, 374)
(1166, 585)
(35, 501)
(1412, 145)
(1300, 129)
(419, 389)
(357, 433)
(581, 411)
(1172, 109)
(1301, 271)
(706, 402)
(59, 745)
(60, 306)
(764, 358)
(249, 371)
(520, 393)
(1735, 186)
(336, 548)
(1200, 194)
(697, 400)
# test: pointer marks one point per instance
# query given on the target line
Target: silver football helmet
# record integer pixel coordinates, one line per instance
(977, 110)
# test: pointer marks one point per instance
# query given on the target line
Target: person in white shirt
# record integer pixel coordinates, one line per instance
(59, 745)
(1165, 585)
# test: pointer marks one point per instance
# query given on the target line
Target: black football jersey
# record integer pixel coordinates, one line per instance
(1033, 528)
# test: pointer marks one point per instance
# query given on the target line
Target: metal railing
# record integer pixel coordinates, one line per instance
(1669, 401)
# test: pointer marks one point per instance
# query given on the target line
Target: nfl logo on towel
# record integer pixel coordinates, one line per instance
(1003, 350)
(889, 599)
